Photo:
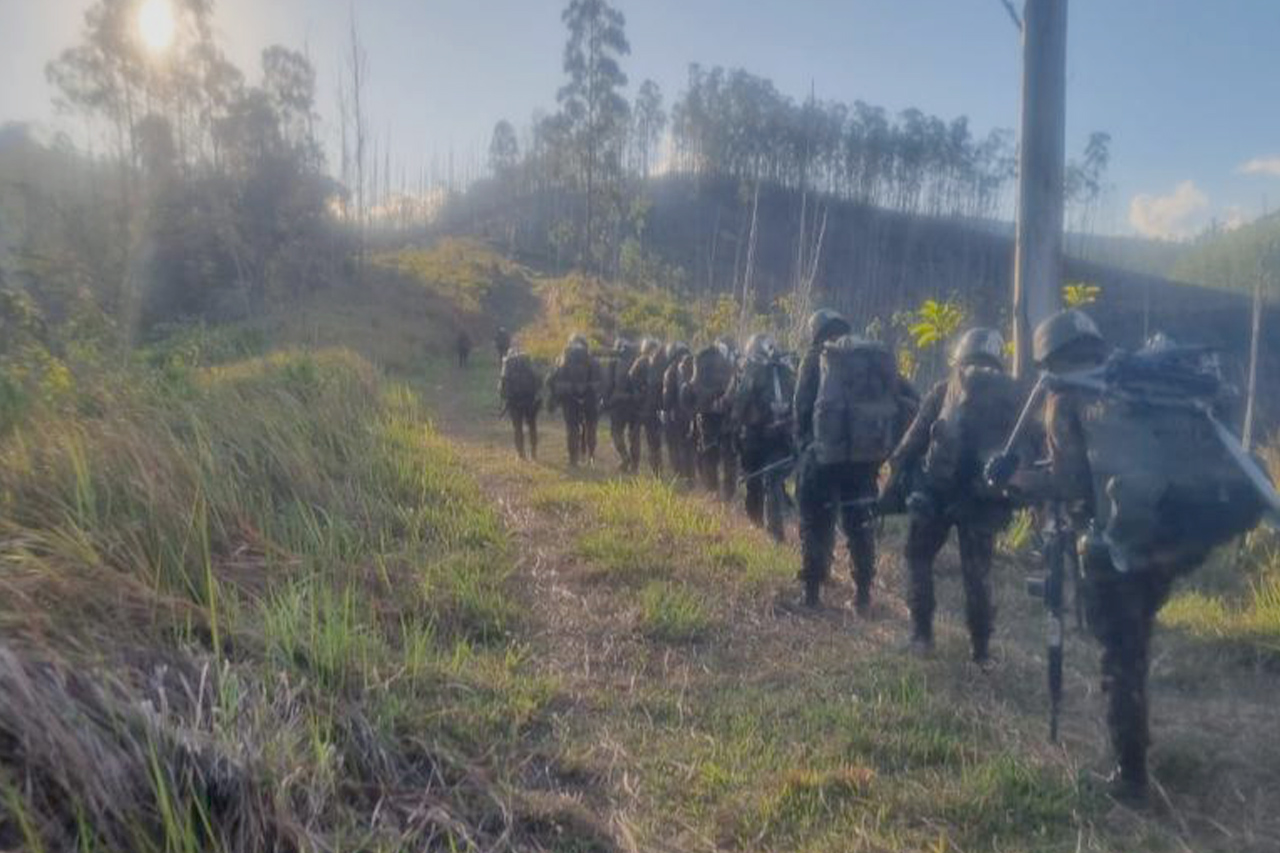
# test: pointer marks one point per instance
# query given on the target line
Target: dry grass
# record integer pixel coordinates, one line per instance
(260, 607)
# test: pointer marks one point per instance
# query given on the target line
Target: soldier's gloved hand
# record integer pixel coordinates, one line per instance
(1000, 470)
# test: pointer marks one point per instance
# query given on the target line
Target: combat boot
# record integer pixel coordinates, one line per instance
(812, 594)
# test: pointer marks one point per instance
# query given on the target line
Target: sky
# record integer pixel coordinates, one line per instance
(1188, 89)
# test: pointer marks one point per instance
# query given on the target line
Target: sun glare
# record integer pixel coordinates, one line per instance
(156, 24)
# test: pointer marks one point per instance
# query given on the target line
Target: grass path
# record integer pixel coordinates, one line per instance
(699, 710)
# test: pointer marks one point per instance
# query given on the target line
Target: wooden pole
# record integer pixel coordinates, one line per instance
(1041, 166)
(1255, 334)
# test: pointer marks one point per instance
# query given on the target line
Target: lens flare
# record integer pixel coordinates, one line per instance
(156, 24)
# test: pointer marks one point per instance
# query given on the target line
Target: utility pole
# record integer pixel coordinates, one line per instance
(1041, 167)
(1255, 333)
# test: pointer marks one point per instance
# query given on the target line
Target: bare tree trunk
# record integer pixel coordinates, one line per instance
(359, 66)
(748, 291)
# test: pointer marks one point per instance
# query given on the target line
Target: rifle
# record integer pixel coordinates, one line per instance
(781, 465)
(1057, 545)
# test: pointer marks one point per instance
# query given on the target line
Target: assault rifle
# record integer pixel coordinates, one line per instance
(1057, 541)
(781, 465)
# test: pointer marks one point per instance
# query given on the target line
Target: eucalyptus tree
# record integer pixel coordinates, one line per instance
(649, 125)
(593, 103)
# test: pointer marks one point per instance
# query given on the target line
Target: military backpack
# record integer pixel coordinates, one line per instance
(855, 416)
(1166, 488)
(712, 376)
(979, 409)
(519, 380)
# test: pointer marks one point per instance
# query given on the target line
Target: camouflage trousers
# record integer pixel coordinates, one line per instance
(680, 450)
(976, 532)
(581, 423)
(828, 495)
(525, 417)
(766, 498)
(717, 461)
(652, 426)
(624, 431)
(1121, 610)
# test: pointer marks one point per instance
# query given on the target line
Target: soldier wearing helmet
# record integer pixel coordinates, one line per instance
(761, 411)
(829, 492)
(647, 374)
(962, 422)
(677, 418)
(1122, 606)
(620, 400)
(574, 387)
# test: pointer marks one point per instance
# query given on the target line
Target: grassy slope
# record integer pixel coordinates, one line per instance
(259, 606)
(269, 604)
(705, 713)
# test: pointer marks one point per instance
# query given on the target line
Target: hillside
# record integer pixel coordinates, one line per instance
(876, 263)
(274, 600)
(1233, 260)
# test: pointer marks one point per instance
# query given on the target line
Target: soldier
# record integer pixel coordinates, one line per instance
(850, 408)
(462, 346)
(677, 418)
(962, 422)
(502, 342)
(762, 410)
(707, 395)
(646, 378)
(519, 388)
(574, 386)
(1154, 498)
(619, 400)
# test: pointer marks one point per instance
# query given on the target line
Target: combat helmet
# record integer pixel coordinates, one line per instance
(981, 344)
(761, 347)
(577, 341)
(825, 323)
(649, 346)
(1061, 331)
(622, 346)
(676, 349)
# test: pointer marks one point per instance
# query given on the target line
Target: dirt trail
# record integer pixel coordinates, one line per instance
(1216, 755)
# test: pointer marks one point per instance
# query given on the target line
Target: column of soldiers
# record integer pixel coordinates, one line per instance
(861, 443)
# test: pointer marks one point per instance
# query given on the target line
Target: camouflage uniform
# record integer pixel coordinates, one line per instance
(502, 342)
(762, 409)
(620, 401)
(462, 346)
(646, 378)
(978, 518)
(522, 405)
(1121, 608)
(579, 398)
(713, 439)
(677, 418)
(827, 494)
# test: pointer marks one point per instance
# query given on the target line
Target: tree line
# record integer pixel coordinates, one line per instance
(209, 184)
(589, 160)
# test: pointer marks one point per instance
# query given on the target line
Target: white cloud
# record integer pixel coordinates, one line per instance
(1262, 166)
(1234, 217)
(1176, 216)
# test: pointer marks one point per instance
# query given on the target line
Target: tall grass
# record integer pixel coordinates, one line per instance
(258, 606)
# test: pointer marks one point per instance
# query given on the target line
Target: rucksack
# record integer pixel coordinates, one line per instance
(712, 376)
(1166, 489)
(766, 393)
(574, 376)
(855, 415)
(519, 380)
(979, 409)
